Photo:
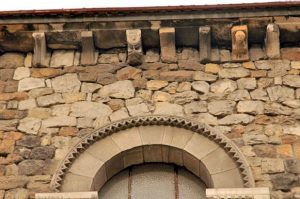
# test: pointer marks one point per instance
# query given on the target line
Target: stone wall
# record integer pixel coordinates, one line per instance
(44, 111)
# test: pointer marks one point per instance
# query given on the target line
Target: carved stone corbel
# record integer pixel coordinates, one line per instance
(204, 43)
(239, 35)
(41, 57)
(134, 47)
(272, 41)
(167, 45)
(88, 53)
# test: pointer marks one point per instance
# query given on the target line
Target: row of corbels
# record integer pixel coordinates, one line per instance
(89, 53)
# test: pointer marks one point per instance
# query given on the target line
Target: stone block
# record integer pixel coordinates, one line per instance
(203, 76)
(89, 109)
(292, 54)
(167, 45)
(67, 195)
(127, 139)
(11, 60)
(62, 58)
(251, 107)
(180, 75)
(30, 83)
(66, 83)
(221, 107)
(128, 72)
(121, 89)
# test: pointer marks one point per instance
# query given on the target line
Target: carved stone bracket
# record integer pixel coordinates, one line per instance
(73, 195)
(204, 43)
(88, 53)
(238, 193)
(272, 41)
(41, 57)
(239, 36)
(167, 45)
(134, 47)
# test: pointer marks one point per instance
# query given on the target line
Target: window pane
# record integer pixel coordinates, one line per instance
(116, 187)
(190, 186)
(153, 181)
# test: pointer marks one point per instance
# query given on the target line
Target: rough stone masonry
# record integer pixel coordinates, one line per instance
(48, 104)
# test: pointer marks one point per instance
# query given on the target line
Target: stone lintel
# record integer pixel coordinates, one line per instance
(239, 36)
(239, 193)
(272, 41)
(41, 57)
(167, 45)
(70, 195)
(205, 43)
(88, 51)
(134, 47)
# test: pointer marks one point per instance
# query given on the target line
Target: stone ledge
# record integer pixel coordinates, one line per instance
(239, 193)
(73, 195)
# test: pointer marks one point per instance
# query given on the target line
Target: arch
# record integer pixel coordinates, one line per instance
(171, 139)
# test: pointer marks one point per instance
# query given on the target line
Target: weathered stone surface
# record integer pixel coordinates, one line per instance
(292, 129)
(151, 56)
(201, 87)
(29, 141)
(59, 121)
(265, 150)
(259, 94)
(66, 83)
(253, 139)
(13, 96)
(221, 108)
(68, 131)
(30, 83)
(106, 78)
(160, 96)
(46, 72)
(139, 109)
(34, 93)
(292, 166)
(19, 193)
(239, 35)
(89, 87)
(257, 53)
(184, 86)
(295, 65)
(195, 107)
(202, 76)
(190, 65)
(180, 75)
(11, 182)
(116, 104)
(280, 93)
(167, 45)
(27, 104)
(119, 114)
(121, 89)
(41, 113)
(108, 59)
(270, 165)
(31, 167)
(49, 100)
(12, 114)
(207, 118)
(251, 107)
(246, 83)
(62, 58)
(234, 73)
(272, 41)
(225, 86)
(212, 68)
(88, 53)
(283, 181)
(30, 125)
(166, 108)
(236, 119)
(277, 109)
(184, 97)
(290, 53)
(21, 73)
(90, 109)
(42, 153)
(291, 80)
(239, 95)
(73, 97)
(128, 72)
(8, 125)
(11, 60)
(7, 146)
(156, 84)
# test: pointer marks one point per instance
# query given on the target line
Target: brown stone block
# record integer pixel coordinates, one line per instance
(239, 36)
(7, 146)
(292, 54)
(128, 72)
(12, 114)
(11, 86)
(6, 74)
(167, 45)
(13, 96)
(258, 73)
(296, 149)
(68, 131)
(151, 74)
(272, 41)
(289, 139)
(180, 75)
(106, 78)
(13, 135)
(154, 66)
(10, 159)
(46, 72)
(88, 77)
(265, 150)
(284, 151)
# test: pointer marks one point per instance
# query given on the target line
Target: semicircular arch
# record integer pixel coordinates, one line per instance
(204, 151)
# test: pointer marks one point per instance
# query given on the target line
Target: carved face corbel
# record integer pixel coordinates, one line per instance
(134, 47)
(239, 43)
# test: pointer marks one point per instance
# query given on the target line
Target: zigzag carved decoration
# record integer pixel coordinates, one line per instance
(163, 120)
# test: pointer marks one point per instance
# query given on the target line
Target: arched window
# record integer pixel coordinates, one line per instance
(148, 181)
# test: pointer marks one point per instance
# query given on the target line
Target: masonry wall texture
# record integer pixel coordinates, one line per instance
(44, 111)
